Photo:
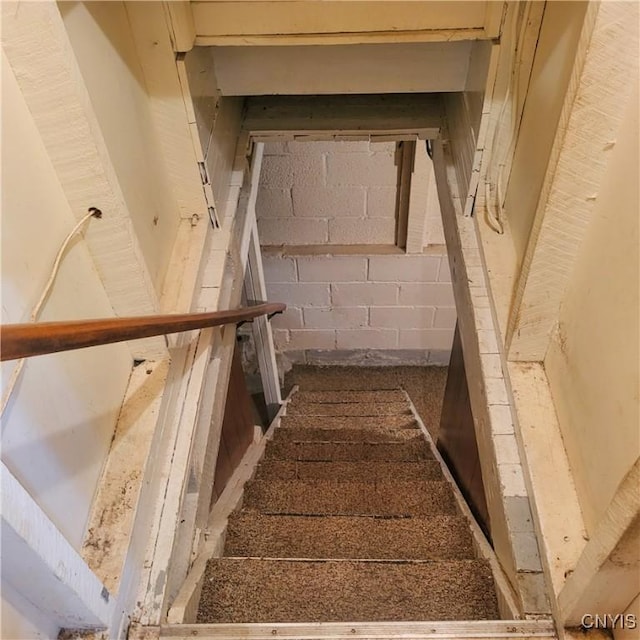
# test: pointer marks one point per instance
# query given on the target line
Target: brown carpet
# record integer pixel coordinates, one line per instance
(349, 517)
(425, 385)
(283, 591)
(435, 538)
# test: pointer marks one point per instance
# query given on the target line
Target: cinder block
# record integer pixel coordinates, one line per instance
(483, 317)
(433, 231)
(402, 317)
(362, 231)
(339, 146)
(533, 593)
(491, 365)
(512, 480)
(404, 268)
(277, 172)
(308, 170)
(501, 419)
(311, 339)
(487, 342)
(426, 294)
(280, 339)
(506, 449)
(299, 294)
(335, 317)
(365, 293)
(279, 231)
(279, 269)
(362, 169)
(274, 203)
(367, 339)
(328, 202)
(446, 318)
(444, 274)
(381, 202)
(525, 550)
(518, 512)
(332, 269)
(439, 357)
(291, 318)
(496, 391)
(276, 149)
(436, 339)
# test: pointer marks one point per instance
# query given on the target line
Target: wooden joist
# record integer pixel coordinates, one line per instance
(327, 117)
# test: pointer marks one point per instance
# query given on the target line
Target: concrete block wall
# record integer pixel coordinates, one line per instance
(327, 193)
(398, 305)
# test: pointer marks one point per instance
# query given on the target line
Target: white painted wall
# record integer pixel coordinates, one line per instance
(592, 361)
(57, 428)
(327, 193)
(344, 193)
(101, 37)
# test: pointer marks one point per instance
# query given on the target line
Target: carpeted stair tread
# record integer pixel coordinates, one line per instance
(436, 538)
(383, 395)
(408, 451)
(362, 471)
(310, 434)
(348, 409)
(248, 590)
(404, 421)
(323, 497)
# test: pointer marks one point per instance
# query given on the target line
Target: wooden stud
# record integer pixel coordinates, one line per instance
(405, 153)
(183, 30)
(38, 562)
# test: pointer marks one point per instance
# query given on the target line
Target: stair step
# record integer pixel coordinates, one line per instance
(383, 395)
(248, 590)
(362, 471)
(323, 497)
(410, 451)
(436, 538)
(404, 421)
(348, 409)
(309, 434)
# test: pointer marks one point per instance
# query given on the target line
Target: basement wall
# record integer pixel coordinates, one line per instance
(103, 43)
(58, 425)
(360, 293)
(592, 360)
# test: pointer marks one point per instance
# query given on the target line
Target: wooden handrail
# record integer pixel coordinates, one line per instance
(35, 339)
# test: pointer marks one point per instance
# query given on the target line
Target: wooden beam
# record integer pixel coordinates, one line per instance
(39, 563)
(39, 51)
(259, 22)
(419, 198)
(183, 29)
(607, 576)
(255, 289)
(327, 116)
(598, 94)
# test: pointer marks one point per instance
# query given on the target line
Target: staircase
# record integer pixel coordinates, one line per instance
(348, 518)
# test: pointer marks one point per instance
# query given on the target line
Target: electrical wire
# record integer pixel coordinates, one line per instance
(35, 313)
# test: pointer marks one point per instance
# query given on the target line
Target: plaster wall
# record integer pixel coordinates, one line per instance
(101, 36)
(58, 425)
(592, 360)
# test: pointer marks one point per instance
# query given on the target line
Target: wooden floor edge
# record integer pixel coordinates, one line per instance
(507, 600)
(453, 630)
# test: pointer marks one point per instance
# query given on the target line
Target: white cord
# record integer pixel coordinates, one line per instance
(43, 298)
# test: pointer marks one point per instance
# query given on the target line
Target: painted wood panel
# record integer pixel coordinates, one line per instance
(365, 68)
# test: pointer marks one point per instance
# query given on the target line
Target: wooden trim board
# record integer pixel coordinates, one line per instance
(483, 629)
